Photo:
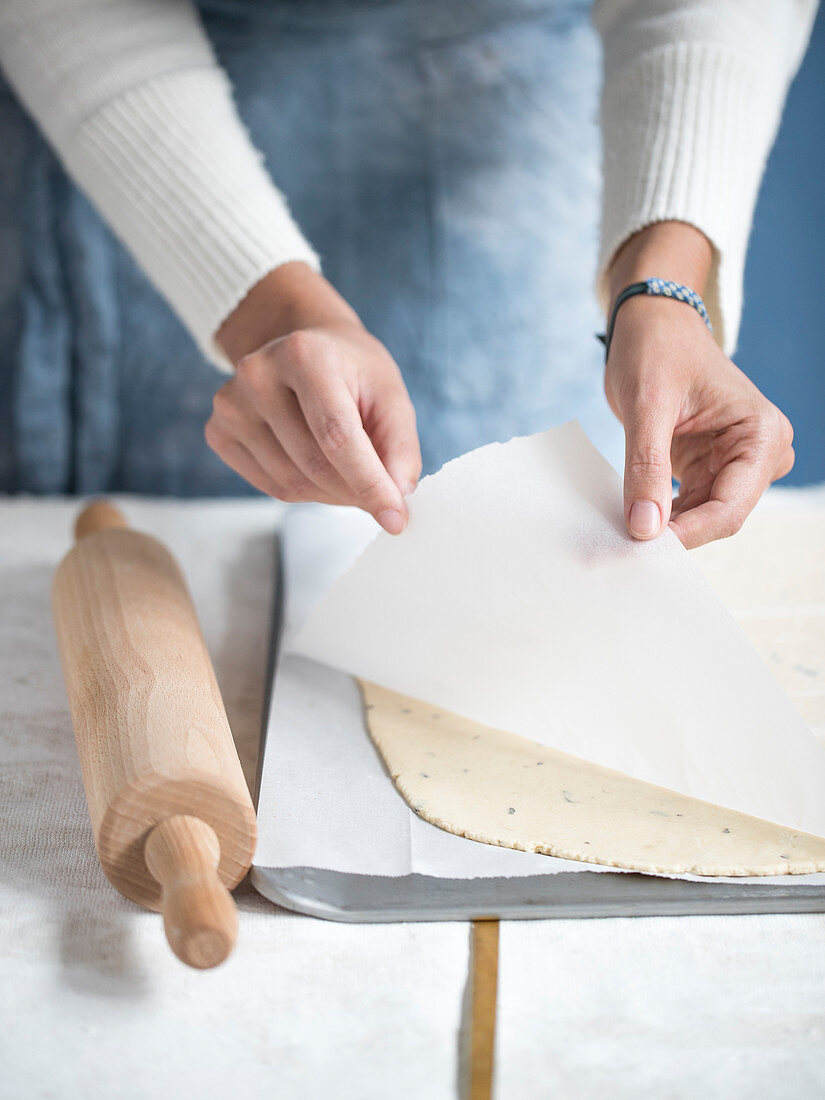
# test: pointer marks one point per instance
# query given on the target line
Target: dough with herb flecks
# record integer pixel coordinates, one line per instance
(498, 788)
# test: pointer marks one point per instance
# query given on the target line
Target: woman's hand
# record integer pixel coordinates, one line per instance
(317, 409)
(687, 410)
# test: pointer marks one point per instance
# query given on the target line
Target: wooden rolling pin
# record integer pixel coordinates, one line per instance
(173, 821)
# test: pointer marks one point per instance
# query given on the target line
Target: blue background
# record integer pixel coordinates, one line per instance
(782, 340)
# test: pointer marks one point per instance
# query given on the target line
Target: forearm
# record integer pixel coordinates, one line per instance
(668, 250)
(291, 298)
(691, 101)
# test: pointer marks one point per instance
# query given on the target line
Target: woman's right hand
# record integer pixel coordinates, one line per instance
(317, 408)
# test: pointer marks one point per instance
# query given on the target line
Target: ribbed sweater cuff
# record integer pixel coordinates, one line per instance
(171, 166)
(687, 131)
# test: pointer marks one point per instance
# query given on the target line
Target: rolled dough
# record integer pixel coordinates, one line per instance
(499, 788)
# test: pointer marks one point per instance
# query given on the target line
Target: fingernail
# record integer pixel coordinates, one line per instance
(392, 521)
(408, 488)
(645, 519)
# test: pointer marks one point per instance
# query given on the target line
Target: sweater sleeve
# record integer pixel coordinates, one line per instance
(692, 96)
(131, 97)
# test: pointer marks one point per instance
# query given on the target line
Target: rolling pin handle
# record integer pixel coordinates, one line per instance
(100, 515)
(199, 915)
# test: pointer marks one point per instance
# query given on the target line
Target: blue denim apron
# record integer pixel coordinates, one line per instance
(443, 159)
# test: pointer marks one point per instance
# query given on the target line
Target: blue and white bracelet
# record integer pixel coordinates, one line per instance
(657, 288)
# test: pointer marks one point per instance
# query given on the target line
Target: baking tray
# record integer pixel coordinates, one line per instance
(369, 898)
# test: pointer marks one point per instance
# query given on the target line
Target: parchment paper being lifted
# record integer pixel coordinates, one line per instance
(516, 599)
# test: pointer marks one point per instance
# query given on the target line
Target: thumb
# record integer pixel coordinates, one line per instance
(647, 472)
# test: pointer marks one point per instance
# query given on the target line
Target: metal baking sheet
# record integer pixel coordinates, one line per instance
(333, 895)
(304, 695)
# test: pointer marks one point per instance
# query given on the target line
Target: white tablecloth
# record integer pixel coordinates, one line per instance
(93, 1004)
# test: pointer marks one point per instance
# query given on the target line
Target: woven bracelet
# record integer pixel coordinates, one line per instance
(657, 288)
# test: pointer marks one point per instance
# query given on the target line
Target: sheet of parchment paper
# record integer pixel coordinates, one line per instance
(516, 598)
(326, 800)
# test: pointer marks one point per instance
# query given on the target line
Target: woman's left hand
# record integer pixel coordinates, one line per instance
(688, 413)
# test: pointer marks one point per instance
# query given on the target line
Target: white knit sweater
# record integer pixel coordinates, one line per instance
(131, 96)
